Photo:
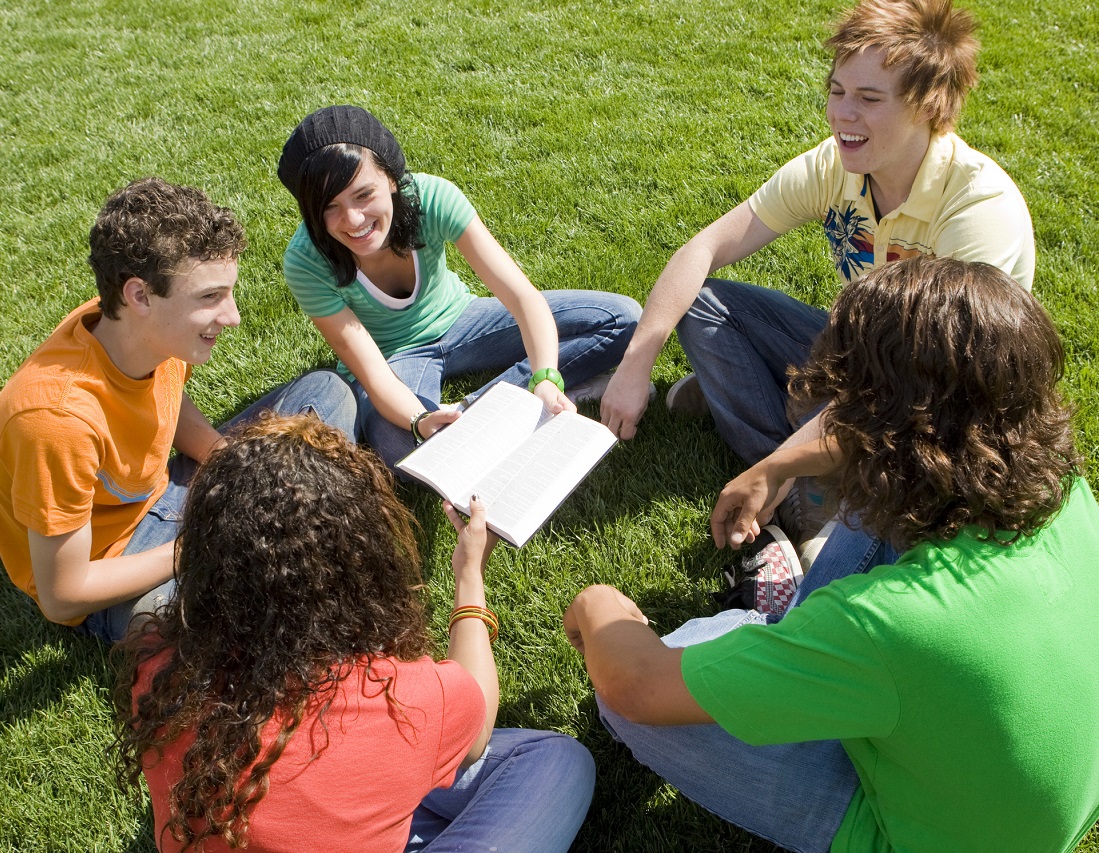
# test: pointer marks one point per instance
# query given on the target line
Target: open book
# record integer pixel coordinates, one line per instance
(517, 457)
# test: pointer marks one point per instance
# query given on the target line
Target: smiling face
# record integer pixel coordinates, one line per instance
(361, 215)
(877, 132)
(199, 307)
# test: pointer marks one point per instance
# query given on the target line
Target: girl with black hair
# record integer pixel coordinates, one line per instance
(368, 265)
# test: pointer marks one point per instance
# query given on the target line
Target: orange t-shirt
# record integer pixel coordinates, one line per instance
(80, 441)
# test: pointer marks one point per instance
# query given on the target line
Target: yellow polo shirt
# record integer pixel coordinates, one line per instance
(962, 205)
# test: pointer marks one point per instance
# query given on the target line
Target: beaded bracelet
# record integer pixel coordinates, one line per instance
(472, 611)
(414, 425)
(549, 373)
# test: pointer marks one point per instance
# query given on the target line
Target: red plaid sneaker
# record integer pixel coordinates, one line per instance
(775, 570)
(770, 575)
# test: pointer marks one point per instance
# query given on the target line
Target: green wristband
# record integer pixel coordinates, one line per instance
(545, 373)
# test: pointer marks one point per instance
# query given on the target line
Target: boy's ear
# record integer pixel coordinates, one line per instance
(135, 294)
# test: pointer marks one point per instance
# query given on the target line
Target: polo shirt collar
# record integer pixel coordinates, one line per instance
(927, 189)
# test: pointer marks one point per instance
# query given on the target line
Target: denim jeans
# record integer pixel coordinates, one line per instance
(740, 339)
(795, 794)
(593, 330)
(323, 392)
(529, 792)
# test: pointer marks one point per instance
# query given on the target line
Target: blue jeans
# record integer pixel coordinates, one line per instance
(593, 330)
(795, 794)
(529, 792)
(740, 339)
(323, 392)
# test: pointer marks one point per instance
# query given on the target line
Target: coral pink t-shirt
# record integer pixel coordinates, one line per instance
(373, 764)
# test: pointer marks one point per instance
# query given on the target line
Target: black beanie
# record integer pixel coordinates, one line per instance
(333, 125)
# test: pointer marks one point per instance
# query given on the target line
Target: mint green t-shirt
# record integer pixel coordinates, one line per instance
(396, 325)
(963, 682)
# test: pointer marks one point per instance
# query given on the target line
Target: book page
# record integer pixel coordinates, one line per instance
(458, 455)
(525, 488)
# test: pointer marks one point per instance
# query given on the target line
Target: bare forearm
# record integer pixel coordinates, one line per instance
(391, 397)
(731, 238)
(616, 645)
(73, 589)
(470, 645)
(536, 324)
(629, 666)
(806, 453)
(469, 640)
(672, 295)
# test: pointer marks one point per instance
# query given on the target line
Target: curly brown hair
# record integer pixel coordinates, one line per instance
(930, 41)
(152, 230)
(296, 560)
(941, 379)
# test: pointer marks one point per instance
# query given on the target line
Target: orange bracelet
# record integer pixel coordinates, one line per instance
(472, 611)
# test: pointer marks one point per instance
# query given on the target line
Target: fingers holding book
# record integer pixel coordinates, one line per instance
(475, 540)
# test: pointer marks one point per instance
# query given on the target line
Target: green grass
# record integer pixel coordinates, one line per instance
(594, 139)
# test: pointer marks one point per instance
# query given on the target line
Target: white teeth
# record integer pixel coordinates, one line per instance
(363, 233)
(851, 137)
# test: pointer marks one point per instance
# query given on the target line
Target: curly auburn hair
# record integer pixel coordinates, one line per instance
(296, 561)
(324, 175)
(941, 379)
(152, 230)
(930, 41)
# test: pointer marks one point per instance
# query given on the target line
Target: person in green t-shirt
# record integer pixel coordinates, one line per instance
(946, 702)
(368, 265)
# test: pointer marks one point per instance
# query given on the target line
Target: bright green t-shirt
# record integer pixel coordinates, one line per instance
(396, 325)
(962, 682)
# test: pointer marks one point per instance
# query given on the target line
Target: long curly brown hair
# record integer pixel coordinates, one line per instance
(296, 560)
(941, 377)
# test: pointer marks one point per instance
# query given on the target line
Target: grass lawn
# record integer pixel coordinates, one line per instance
(594, 138)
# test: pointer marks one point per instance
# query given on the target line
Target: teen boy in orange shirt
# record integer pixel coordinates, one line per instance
(88, 499)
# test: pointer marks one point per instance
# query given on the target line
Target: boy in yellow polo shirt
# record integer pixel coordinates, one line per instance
(891, 182)
(88, 499)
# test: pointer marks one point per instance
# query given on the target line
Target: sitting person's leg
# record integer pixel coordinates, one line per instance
(740, 339)
(530, 791)
(322, 392)
(794, 795)
(593, 330)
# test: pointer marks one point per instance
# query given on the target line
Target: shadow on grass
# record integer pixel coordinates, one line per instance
(40, 662)
(672, 457)
(143, 842)
(665, 478)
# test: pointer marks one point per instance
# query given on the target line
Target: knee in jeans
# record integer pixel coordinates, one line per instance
(329, 385)
(567, 760)
(629, 312)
